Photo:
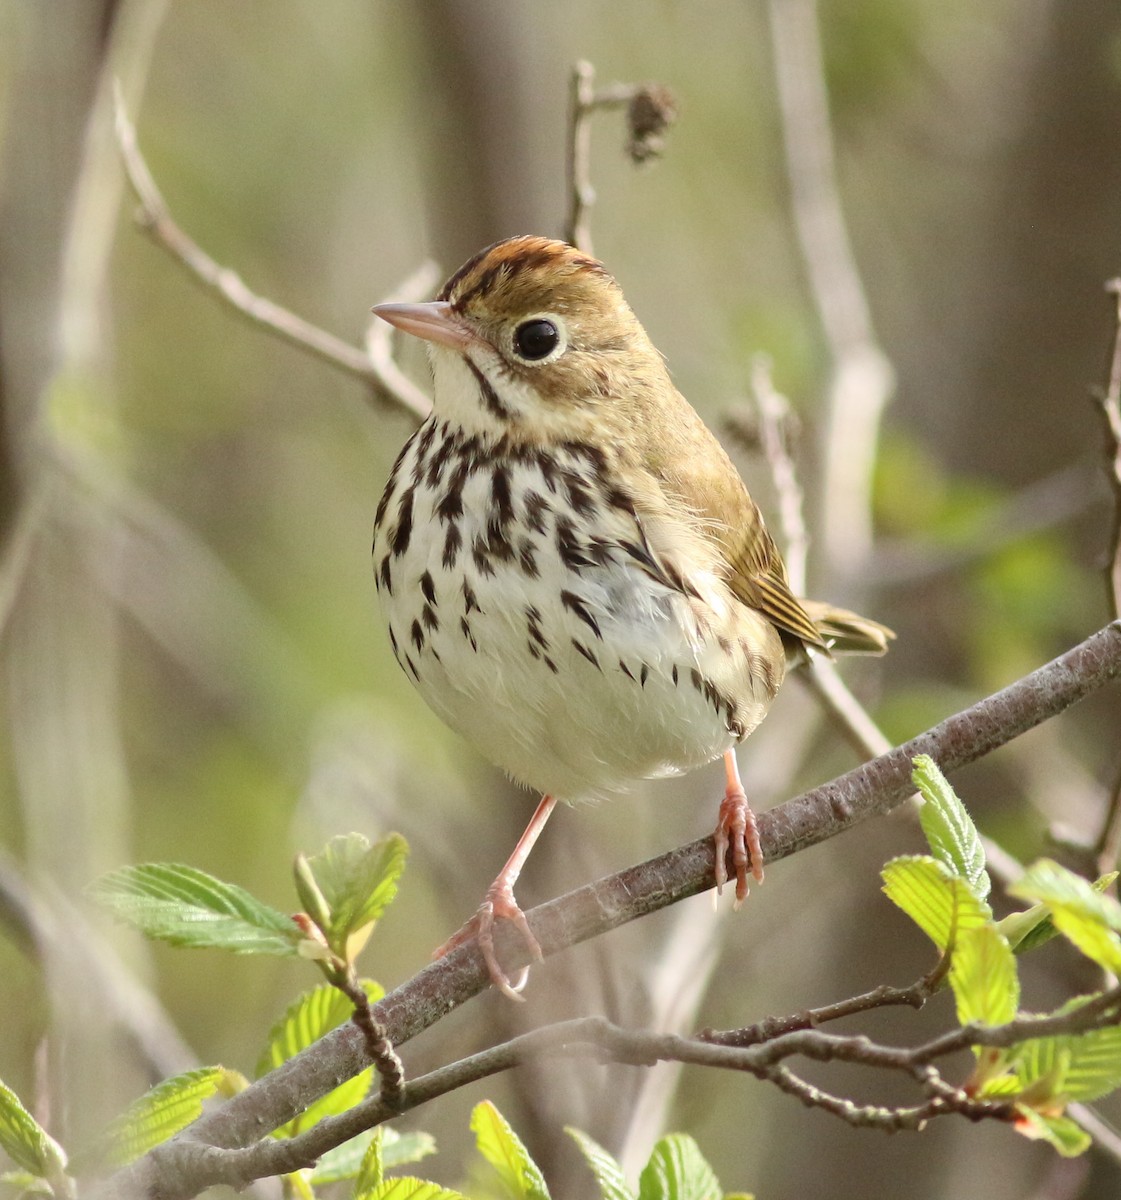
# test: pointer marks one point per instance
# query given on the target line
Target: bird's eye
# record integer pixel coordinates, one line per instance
(536, 339)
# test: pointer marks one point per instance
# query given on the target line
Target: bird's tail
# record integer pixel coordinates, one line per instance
(845, 632)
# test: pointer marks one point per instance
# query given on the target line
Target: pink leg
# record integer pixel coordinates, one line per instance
(736, 828)
(499, 905)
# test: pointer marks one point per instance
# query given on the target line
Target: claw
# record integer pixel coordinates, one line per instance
(499, 905)
(737, 829)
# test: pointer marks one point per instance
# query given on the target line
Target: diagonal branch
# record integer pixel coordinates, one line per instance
(155, 219)
(869, 790)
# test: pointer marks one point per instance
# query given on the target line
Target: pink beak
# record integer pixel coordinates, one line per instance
(435, 322)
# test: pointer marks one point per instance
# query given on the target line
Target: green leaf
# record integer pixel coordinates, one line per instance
(397, 1150)
(938, 901)
(357, 882)
(306, 1020)
(983, 977)
(187, 907)
(297, 1186)
(502, 1148)
(406, 1188)
(1069, 1138)
(25, 1141)
(162, 1112)
(1099, 944)
(1079, 910)
(1079, 1066)
(608, 1173)
(23, 1183)
(1049, 883)
(949, 829)
(677, 1170)
(371, 1170)
(1030, 929)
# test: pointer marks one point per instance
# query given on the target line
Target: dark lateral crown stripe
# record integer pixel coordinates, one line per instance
(507, 258)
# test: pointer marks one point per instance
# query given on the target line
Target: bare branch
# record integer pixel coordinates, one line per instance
(581, 194)
(884, 996)
(651, 109)
(155, 219)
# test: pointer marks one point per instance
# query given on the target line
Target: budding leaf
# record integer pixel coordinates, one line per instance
(1079, 911)
(397, 1149)
(608, 1173)
(162, 1112)
(940, 902)
(405, 1188)
(677, 1170)
(357, 882)
(948, 827)
(187, 907)
(1083, 1066)
(1067, 1137)
(983, 977)
(26, 1142)
(503, 1149)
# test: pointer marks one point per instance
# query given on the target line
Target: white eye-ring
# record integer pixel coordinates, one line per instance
(539, 339)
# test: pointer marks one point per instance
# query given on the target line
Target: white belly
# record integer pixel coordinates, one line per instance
(554, 652)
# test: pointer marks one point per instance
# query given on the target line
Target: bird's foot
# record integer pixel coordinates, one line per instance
(737, 829)
(498, 905)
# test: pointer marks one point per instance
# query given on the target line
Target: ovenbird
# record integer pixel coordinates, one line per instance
(572, 571)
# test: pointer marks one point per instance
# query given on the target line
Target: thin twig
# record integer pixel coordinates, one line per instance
(581, 194)
(651, 109)
(155, 219)
(884, 996)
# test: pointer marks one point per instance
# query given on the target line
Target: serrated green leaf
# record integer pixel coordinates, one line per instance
(1099, 944)
(938, 901)
(608, 1173)
(1001, 1087)
(25, 1141)
(370, 1171)
(407, 1188)
(357, 881)
(983, 977)
(503, 1149)
(1067, 1137)
(1049, 883)
(162, 1112)
(306, 1020)
(1030, 929)
(677, 1170)
(187, 907)
(1082, 1066)
(948, 827)
(397, 1150)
